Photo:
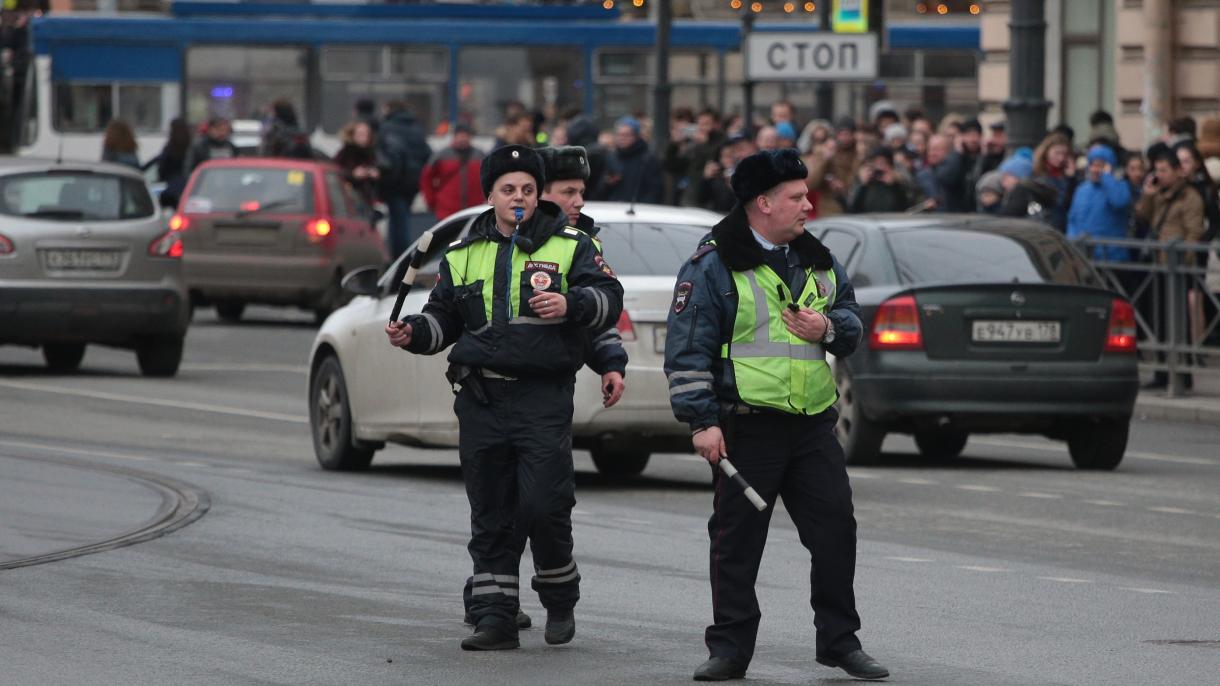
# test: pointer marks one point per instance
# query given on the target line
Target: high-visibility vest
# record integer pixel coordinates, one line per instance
(772, 367)
(539, 270)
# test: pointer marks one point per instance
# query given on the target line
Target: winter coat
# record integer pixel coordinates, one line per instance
(842, 166)
(450, 181)
(638, 172)
(876, 196)
(402, 152)
(351, 156)
(206, 149)
(1102, 209)
(1175, 214)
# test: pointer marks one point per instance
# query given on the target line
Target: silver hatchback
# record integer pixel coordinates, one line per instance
(86, 258)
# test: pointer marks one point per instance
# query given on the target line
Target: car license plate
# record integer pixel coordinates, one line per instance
(82, 260)
(658, 340)
(1014, 331)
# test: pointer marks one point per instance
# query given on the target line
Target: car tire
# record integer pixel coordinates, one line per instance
(619, 461)
(63, 357)
(230, 311)
(330, 421)
(1100, 444)
(941, 445)
(860, 437)
(160, 358)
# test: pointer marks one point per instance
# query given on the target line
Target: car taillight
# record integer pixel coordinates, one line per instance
(179, 222)
(626, 330)
(896, 325)
(1121, 333)
(318, 229)
(166, 245)
(6, 245)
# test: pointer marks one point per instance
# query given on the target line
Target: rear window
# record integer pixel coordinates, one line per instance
(645, 249)
(74, 196)
(246, 189)
(969, 256)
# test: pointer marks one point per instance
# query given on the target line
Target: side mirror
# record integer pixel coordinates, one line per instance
(362, 281)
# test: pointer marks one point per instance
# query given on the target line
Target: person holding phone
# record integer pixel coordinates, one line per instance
(879, 187)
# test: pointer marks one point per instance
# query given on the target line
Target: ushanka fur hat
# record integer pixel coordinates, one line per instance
(565, 163)
(765, 170)
(511, 158)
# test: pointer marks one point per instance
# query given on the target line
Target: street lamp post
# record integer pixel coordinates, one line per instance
(826, 89)
(747, 85)
(662, 88)
(1027, 105)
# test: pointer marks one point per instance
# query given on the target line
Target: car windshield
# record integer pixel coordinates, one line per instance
(250, 190)
(647, 249)
(74, 196)
(991, 256)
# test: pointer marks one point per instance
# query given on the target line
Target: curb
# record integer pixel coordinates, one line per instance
(1188, 409)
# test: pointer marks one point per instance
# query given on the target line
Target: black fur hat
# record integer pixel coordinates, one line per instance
(564, 163)
(511, 158)
(765, 170)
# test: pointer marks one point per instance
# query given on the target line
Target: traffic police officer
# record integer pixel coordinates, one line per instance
(755, 311)
(516, 299)
(566, 171)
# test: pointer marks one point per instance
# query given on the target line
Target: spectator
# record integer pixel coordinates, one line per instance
(450, 180)
(365, 110)
(951, 125)
(878, 187)
(883, 116)
(518, 129)
(676, 160)
(706, 148)
(171, 163)
(894, 136)
(916, 121)
(783, 111)
(941, 178)
(767, 138)
(1024, 196)
(917, 144)
(119, 144)
(1101, 206)
(214, 145)
(583, 132)
(867, 138)
(283, 137)
(814, 135)
(1209, 142)
(402, 152)
(1181, 129)
(715, 192)
(990, 192)
(1196, 174)
(832, 169)
(1134, 172)
(358, 157)
(1102, 132)
(1055, 167)
(632, 172)
(968, 149)
(786, 134)
(994, 149)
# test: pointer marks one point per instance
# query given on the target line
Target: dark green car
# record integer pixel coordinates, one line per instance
(976, 324)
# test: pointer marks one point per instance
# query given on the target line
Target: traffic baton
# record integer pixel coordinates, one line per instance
(408, 279)
(751, 494)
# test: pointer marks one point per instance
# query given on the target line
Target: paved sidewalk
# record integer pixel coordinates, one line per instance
(1200, 405)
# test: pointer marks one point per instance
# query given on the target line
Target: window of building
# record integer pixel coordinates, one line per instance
(239, 82)
(549, 79)
(417, 75)
(623, 81)
(87, 107)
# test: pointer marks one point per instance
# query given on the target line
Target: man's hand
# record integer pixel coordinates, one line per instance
(709, 443)
(806, 324)
(711, 169)
(399, 333)
(549, 305)
(612, 388)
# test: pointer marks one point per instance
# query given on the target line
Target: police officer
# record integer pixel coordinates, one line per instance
(567, 170)
(516, 299)
(755, 312)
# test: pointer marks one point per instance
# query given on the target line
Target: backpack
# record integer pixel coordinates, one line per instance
(401, 156)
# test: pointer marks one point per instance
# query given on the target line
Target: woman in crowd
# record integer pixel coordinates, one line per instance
(358, 157)
(1055, 167)
(119, 144)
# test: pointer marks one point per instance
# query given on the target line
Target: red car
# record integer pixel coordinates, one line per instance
(273, 231)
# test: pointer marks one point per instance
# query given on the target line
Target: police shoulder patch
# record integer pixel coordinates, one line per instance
(572, 232)
(703, 250)
(682, 296)
(603, 265)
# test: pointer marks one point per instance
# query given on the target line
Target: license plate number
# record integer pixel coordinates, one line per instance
(1014, 331)
(84, 260)
(658, 340)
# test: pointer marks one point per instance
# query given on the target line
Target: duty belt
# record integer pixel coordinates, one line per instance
(489, 374)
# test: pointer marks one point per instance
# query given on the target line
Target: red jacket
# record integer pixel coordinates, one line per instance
(450, 185)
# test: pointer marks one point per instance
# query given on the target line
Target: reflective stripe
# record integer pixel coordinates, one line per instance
(616, 340)
(535, 320)
(490, 590)
(674, 376)
(762, 318)
(688, 387)
(435, 328)
(557, 580)
(506, 578)
(561, 570)
(608, 333)
(795, 352)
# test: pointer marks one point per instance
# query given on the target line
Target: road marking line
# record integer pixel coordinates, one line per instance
(76, 451)
(1104, 503)
(909, 559)
(641, 522)
(156, 402)
(980, 489)
(976, 568)
(244, 367)
(190, 464)
(1148, 590)
(917, 482)
(1138, 454)
(1066, 580)
(1171, 510)
(1044, 496)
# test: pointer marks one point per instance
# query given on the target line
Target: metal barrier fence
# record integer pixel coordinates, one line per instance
(1177, 302)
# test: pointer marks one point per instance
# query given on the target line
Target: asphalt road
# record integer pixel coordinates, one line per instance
(1006, 567)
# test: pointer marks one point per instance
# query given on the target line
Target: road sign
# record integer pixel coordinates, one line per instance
(805, 56)
(849, 16)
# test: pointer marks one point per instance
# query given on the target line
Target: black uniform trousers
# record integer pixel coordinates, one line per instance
(798, 458)
(516, 454)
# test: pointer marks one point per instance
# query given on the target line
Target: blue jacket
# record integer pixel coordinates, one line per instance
(1102, 210)
(705, 305)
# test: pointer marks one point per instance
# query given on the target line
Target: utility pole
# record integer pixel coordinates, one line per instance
(1027, 105)
(747, 86)
(664, 15)
(826, 89)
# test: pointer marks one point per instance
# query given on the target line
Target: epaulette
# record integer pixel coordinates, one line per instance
(703, 250)
(574, 233)
(462, 242)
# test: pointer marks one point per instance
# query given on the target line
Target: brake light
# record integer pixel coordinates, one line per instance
(166, 245)
(896, 325)
(179, 222)
(1121, 333)
(249, 206)
(318, 229)
(6, 245)
(626, 330)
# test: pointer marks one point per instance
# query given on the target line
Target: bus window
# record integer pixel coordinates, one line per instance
(539, 77)
(417, 75)
(83, 107)
(238, 82)
(140, 106)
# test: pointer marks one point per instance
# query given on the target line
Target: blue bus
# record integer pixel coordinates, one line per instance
(449, 62)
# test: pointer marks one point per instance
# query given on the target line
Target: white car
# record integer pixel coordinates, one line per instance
(364, 393)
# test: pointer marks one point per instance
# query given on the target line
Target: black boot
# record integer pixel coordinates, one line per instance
(719, 669)
(490, 638)
(560, 626)
(857, 663)
(523, 620)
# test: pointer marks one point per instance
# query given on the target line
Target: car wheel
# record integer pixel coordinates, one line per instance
(63, 357)
(160, 358)
(618, 461)
(230, 311)
(861, 438)
(1099, 444)
(330, 418)
(941, 444)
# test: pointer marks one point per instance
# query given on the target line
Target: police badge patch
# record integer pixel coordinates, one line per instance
(821, 288)
(682, 296)
(603, 265)
(540, 281)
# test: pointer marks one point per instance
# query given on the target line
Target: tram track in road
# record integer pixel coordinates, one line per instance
(181, 504)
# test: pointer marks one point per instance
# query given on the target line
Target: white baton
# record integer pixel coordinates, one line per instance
(751, 494)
